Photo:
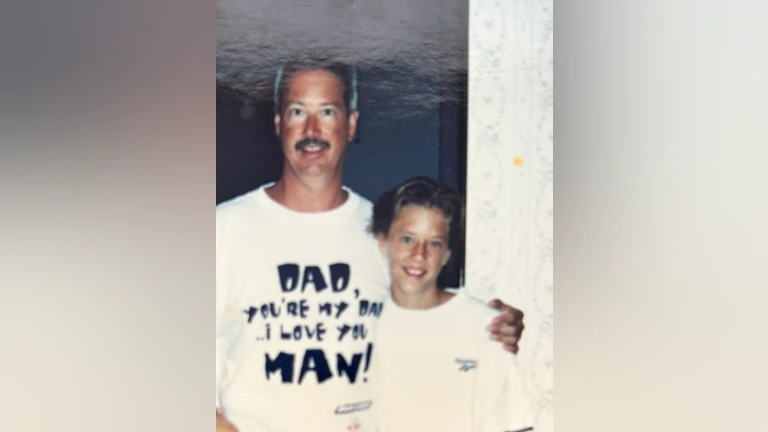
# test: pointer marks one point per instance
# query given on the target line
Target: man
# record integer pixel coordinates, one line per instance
(300, 282)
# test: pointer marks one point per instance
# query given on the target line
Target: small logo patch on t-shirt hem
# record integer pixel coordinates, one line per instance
(349, 408)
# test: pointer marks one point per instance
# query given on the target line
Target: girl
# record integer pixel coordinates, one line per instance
(434, 368)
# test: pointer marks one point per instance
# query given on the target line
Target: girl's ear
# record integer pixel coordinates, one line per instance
(446, 257)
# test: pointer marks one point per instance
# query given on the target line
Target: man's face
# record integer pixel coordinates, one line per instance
(417, 248)
(313, 124)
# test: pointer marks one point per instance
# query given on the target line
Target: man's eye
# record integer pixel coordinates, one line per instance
(327, 112)
(295, 112)
(436, 244)
(407, 239)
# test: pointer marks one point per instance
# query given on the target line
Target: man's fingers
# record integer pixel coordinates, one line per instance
(508, 319)
(508, 336)
(509, 341)
(506, 330)
(506, 310)
(515, 314)
(507, 327)
(496, 304)
(505, 338)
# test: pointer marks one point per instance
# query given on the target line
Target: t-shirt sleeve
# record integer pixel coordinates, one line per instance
(501, 405)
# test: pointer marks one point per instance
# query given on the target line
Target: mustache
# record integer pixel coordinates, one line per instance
(307, 141)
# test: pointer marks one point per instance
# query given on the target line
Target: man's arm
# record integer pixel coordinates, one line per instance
(219, 312)
(506, 328)
(222, 424)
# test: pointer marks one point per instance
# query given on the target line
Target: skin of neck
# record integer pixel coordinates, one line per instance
(309, 195)
(429, 298)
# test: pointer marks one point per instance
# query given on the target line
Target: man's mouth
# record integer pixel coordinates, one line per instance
(312, 145)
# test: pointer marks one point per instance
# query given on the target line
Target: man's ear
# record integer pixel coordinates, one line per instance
(277, 125)
(353, 116)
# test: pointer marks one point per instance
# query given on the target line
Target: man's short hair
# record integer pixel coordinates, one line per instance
(346, 74)
(424, 192)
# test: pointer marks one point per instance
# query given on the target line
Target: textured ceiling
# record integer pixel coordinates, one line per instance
(426, 38)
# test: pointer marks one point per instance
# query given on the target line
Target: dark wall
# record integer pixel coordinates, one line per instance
(395, 141)
(247, 150)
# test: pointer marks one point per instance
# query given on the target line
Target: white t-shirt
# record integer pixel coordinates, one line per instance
(288, 286)
(437, 370)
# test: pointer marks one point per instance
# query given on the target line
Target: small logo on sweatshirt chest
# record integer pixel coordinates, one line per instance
(465, 365)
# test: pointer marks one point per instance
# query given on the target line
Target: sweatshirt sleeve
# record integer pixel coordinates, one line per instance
(501, 405)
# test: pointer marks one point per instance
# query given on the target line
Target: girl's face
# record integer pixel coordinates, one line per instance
(417, 248)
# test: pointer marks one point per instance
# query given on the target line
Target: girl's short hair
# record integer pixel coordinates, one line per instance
(425, 192)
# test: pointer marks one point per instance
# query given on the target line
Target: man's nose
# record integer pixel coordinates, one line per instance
(312, 126)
